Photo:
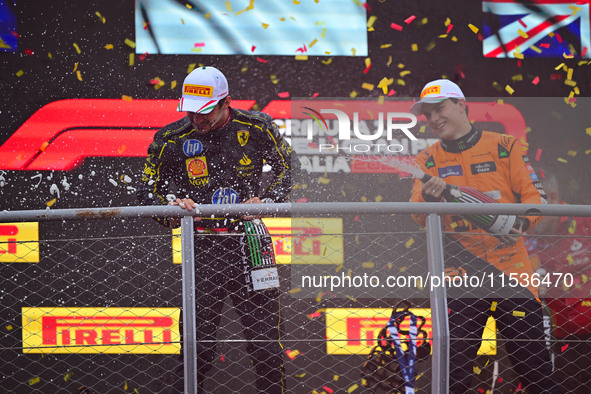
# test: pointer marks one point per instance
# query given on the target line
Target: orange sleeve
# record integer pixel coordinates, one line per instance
(524, 181)
(417, 187)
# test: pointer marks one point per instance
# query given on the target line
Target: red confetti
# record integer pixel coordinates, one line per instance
(395, 26)
(518, 387)
(480, 38)
(584, 52)
(154, 81)
(542, 174)
(222, 358)
(29, 52)
(410, 19)
(15, 34)
(356, 218)
(367, 69)
(328, 389)
(522, 23)
(536, 80)
(563, 349)
(481, 390)
(199, 44)
(555, 76)
(545, 45)
(519, 63)
(314, 315)
(366, 6)
(538, 154)
(303, 199)
(262, 60)
(392, 92)
(253, 48)
(142, 57)
(449, 27)
(316, 94)
(558, 37)
(500, 380)
(283, 94)
(146, 25)
(302, 49)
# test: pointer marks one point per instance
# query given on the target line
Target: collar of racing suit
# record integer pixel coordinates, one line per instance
(462, 143)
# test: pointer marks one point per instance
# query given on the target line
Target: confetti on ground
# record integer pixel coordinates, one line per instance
(129, 43)
(563, 349)
(262, 60)
(68, 376)
(473, 28)
(367, 86)
(352, 388)
(301, 375)
(328, 389)
(34, 380)
(77, 48)
(131, 59)
(410, 242)
(79, 75)
(109, 46)
(560, 159)
(493, 306)
(296, 290)
(395, 26)
(19, 73)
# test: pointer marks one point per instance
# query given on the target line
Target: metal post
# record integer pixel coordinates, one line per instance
(439, 319)
(189, 332)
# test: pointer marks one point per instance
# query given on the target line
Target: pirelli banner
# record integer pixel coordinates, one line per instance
(101, 330)
(355, 330)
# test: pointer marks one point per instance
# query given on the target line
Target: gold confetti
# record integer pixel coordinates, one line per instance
(19, 73)
(410, 242)
(518, 54)
(327, 62)
(301, 375)
(522, 33)
(129, 43)
(560, 159)
(559, 66)
(125, 386)
(353, 93)
(367, 86)
(126, 98)
(414, 47)
(335, 378)
(49, 55)
(79, 75)
(77, 48)
(109, 46)
(191, 67)
(34, 380)
(102, 18)
(354, 51)
(384, 46)
(509, 89)
(9, 327)
(314, 41)
(173, 84)
(430, 46)
(371, 20)
(368, 264)
(518, 314)
(517, 78)
(51, 202)
(493, 306)
(296, 290)
(323, 180)
(352, 388)
(570, 260)
(473, 28)
(75, 67)
(572, 227)
(301, 57)
(476, 370)
(131, 59)
(68, 376)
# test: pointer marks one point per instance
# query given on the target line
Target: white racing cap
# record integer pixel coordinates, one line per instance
(202, 89)
(435, 92)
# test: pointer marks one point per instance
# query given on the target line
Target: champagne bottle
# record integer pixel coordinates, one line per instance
(495, 224)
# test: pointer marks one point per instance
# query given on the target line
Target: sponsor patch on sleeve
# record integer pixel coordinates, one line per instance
(450, 171)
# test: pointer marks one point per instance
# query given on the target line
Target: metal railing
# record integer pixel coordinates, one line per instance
(435, 253)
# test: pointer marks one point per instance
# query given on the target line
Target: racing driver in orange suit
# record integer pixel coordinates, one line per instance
(496, 165)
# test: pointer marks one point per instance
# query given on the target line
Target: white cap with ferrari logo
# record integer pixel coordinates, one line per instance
(202, 89)
(435, 92)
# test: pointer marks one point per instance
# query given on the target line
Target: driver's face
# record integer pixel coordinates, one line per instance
(204, 123)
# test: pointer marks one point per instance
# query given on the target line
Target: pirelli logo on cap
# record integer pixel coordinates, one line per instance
(101, 330)
(431, 90)
(198, 90)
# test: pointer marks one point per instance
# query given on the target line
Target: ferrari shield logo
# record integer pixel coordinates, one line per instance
(243, 137)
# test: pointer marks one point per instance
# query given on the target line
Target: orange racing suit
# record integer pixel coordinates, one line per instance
(497, 165)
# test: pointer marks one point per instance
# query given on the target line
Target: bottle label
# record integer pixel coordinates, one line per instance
(502, 224)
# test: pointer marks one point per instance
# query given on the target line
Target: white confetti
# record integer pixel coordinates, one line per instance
(54, 190)
(65, 184)
(113, 182)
